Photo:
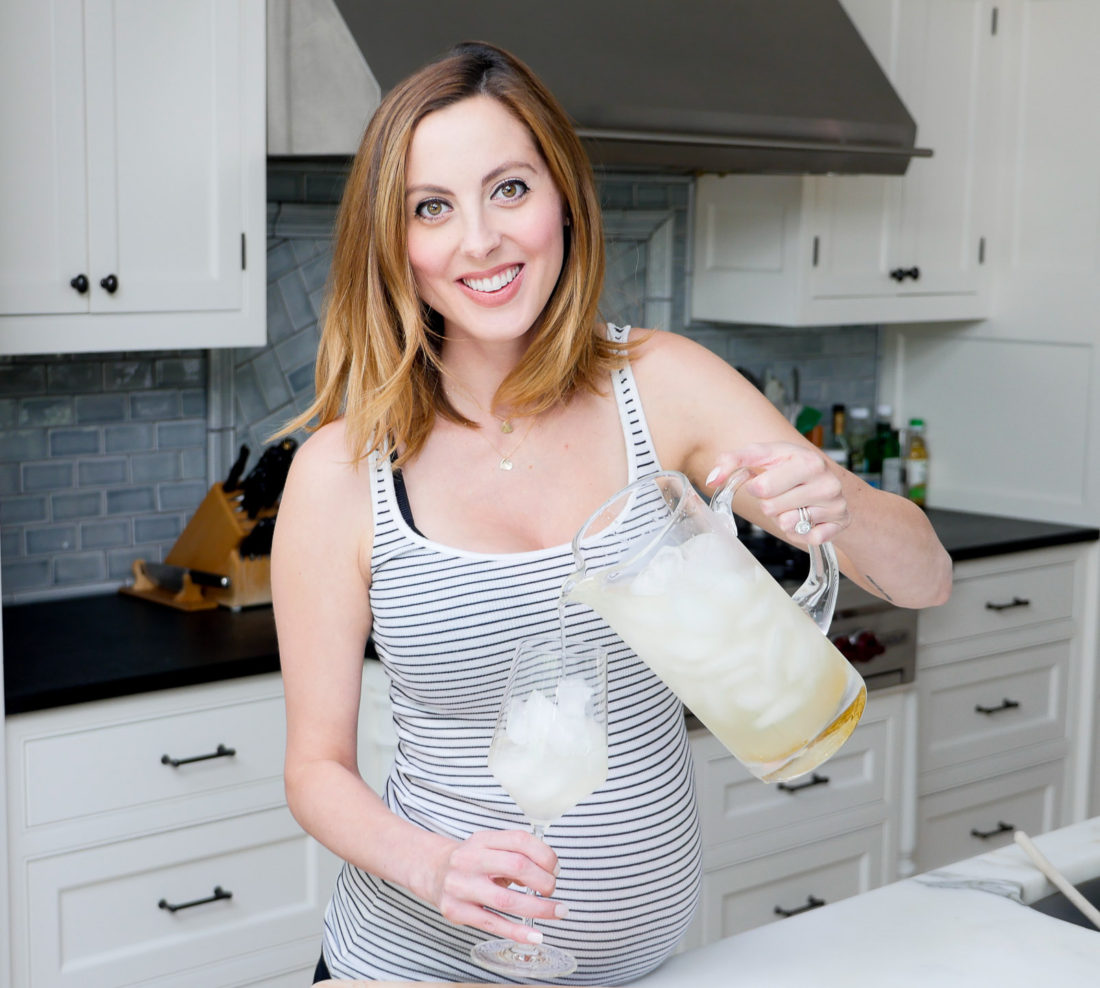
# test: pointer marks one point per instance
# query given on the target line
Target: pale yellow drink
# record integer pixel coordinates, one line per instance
(758, 672)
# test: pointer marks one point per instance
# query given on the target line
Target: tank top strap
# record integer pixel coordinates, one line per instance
(641, 452)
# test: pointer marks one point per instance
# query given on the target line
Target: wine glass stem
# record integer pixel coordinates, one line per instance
(528, 921)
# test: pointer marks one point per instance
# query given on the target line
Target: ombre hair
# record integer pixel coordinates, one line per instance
(378, 361)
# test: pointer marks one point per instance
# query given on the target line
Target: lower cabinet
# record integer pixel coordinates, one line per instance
(792, 881)
(774, 850)
(1001, 686)
(150, 843)
(960, 822)
(181, 901)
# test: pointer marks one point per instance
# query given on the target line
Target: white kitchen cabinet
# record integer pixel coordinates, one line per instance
(103, 828)
(817, 250)
(1003, 678)
(134, 175)
(785, 883)
(1011, 401)
(962, 821)
(825, 836)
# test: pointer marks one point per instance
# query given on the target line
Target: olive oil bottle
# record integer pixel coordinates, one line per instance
(916, 463)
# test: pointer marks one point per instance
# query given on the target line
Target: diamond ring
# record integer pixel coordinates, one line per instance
(804, 524)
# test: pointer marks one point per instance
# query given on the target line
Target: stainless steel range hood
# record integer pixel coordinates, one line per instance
(763, 86)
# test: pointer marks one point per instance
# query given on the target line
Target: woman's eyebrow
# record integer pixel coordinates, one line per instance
(439, 190)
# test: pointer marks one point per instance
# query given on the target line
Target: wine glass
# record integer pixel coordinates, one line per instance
(549, 751)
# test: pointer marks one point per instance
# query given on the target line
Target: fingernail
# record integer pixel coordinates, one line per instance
(561, 911)
(557, 869)
(534, 936)
(712, 476)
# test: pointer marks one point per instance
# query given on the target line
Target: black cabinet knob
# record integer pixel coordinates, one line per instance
(109, 284)
(900, 274)
(80, 283)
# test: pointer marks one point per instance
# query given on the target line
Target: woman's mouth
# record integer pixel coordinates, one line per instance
(495, 282)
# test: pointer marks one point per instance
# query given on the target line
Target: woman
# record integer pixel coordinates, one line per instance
(472, 411)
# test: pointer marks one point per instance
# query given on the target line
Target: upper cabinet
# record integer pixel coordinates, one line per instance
(816, 250)
(134, 175)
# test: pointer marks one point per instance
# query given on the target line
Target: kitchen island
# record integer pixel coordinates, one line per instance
(965, 926)
(968, 925)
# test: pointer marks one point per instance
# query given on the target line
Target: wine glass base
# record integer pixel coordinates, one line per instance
(523, 961)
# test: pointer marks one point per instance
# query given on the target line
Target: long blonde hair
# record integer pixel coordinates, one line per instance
(378, 361)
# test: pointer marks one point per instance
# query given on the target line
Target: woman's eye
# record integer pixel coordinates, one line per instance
(513, 189)
(431, 209)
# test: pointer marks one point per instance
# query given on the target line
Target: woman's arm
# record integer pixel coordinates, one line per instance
(707, 420)
(320, 571)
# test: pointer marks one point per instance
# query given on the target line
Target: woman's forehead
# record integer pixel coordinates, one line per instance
(476, 133)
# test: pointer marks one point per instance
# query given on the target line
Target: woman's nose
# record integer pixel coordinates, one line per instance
(480, 237)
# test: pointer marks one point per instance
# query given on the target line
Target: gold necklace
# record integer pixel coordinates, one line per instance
(505, 461)
(505, 423)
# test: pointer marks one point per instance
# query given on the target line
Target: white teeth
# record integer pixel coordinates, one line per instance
(493, 284)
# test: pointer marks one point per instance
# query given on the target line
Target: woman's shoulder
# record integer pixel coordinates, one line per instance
(324, 461)
(672, 360)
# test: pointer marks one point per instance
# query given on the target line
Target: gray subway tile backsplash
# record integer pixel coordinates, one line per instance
(131, 428)
(58, 538)
(94, 409)
(73, 442)
(48, 476)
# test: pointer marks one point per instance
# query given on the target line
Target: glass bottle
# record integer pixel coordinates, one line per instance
(859, 431)
(837, 448)
(916, 463)
(890, 445)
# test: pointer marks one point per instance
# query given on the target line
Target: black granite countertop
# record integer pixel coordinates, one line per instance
(91, 648)
(966, 535)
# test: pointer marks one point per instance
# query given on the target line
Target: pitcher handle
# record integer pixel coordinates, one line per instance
(817, 595)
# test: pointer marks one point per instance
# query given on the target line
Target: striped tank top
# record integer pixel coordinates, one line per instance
(446, 623)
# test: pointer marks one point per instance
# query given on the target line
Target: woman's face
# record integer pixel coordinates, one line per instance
(485, 221)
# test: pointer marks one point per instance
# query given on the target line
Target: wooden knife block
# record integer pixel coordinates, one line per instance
(210, 542)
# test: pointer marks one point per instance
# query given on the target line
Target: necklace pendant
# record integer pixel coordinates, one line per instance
(506, 426)
(505, 463)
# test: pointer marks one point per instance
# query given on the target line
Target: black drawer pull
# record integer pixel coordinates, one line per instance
(1006, 704)
(1015, 602)
(175, 907)
(814, 780)
(1002, 828)
(812, 902)
(220, 752)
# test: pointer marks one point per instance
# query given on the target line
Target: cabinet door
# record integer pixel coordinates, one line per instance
(960, 822)
(164, 156)
(925, 227)
(947, 80)
(43, 234)
(748, 894)
(858, 217)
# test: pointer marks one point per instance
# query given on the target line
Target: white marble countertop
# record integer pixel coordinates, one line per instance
(963, 925)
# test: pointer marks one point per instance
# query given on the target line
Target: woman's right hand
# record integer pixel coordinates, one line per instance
(473, 882)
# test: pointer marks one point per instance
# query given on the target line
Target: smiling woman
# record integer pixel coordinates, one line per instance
(473, 410)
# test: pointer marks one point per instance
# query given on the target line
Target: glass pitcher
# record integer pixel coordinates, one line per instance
(753, 663)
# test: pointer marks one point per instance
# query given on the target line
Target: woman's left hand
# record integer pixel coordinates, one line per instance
(786, 477)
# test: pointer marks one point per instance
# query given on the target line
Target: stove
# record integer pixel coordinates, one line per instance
(877, 637)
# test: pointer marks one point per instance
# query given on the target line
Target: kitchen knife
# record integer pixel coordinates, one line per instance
(233, 480)
(169, 577)
(262, 487)
(258, 541)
